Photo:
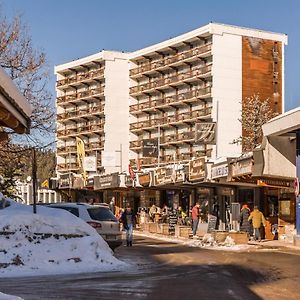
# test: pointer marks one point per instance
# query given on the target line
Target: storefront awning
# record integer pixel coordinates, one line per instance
(15, 111)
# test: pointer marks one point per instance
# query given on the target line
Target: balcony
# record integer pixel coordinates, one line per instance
(67, 167)
(167, 140)
(188, 55)
(79, 96)
(169, 159)
(90, 129)
(81, 113)
(170, 121)
(176, 100)
(165, 83)
(80, 78)
(89, 147)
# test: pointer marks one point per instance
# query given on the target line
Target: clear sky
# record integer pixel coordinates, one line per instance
(70, 29)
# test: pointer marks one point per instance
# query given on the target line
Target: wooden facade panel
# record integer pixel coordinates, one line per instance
(262, 70)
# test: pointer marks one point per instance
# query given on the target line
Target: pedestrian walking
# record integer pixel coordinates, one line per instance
(244, 219)
(257, 219)
(195, 218)
(128, 220)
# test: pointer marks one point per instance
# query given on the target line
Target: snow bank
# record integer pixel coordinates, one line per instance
(53, 241)
(206, 242)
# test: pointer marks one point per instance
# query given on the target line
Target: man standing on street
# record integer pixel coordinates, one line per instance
(128, 220)
(195, 217)
(258, 219)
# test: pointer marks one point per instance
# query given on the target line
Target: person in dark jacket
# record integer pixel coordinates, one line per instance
(244, 216)
(128, 220)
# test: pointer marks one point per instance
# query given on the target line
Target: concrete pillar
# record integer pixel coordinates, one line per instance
(297, 237)
(298, 175)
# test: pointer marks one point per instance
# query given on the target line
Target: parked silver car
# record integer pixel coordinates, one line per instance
(99, 217)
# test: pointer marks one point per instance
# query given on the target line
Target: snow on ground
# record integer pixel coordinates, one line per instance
(206, 242)
(9, 297)
(53, 241)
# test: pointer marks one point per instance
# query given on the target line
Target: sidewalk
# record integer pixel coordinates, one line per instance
(264, 244)
(275, 244)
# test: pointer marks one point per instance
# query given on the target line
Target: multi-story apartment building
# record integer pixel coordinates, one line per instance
(115, 101)
(202, 76)
(92, 104)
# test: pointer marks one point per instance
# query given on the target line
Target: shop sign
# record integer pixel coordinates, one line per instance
(90, 163)
(205, 133)
(179, 176)
(129, 181)
(150, 148)
(66, 181)
(90, 183)
(144, 179)
(107, 181)
(219, 171)
(197, 169)
(226, 191)
(163, 176)
(279, 183)
(242, 167)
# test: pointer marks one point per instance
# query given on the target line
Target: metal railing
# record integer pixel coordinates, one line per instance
(150, 66)
(83, 76)
(161, 82)
(183, 117)
(170, 100)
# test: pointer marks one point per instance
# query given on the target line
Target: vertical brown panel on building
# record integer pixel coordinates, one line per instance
(262, 71)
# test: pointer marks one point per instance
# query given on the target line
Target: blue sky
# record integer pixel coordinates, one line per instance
(70, 29)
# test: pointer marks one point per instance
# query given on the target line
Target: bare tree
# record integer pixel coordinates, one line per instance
(27, 68)
(255, 113)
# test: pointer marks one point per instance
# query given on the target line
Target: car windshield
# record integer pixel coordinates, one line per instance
(101, 214)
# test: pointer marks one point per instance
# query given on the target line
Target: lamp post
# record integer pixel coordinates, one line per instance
(33, 152)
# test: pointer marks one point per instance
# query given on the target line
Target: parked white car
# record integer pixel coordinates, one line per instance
(98, 216)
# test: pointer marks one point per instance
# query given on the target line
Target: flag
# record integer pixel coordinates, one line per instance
(131, 172)
(80, 155)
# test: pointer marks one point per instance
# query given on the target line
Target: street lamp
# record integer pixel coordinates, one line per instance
(33, 153)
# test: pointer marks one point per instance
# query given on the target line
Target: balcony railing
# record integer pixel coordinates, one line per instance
(167, 139)
(170, 100)
(167, 61)
(76, 78)
(172, 80)
(169, 120)
(74, 131)
(80, 95)
(67, 166)
(79, 113)
(167, 159)
(73, 149)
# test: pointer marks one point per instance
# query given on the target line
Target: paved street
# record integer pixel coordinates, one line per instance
(163, 270)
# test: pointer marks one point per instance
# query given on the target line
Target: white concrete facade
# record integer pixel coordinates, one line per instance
(112, 99)
(227, 93)
(116, 128)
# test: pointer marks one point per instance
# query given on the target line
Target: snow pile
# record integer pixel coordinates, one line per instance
(207, 242)
(53, 241)
(9, 297)
(229, 242)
